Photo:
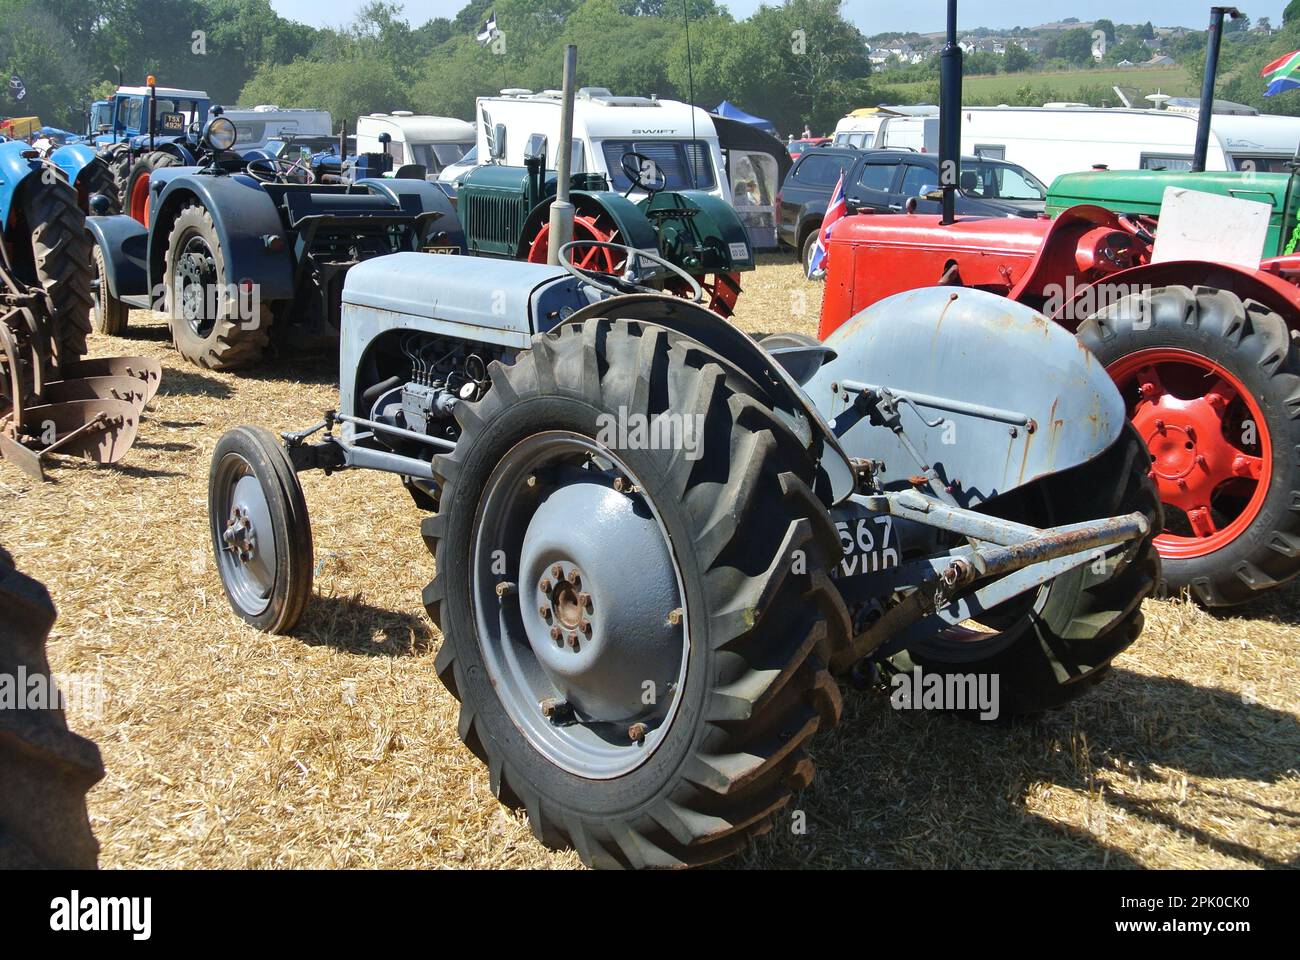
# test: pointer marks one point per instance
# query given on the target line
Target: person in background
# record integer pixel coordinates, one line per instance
(807, 132)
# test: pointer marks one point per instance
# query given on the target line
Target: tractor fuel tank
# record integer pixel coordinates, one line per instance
(991, 394)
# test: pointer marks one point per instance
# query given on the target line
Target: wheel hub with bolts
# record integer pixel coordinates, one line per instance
(240, 537)
(1207, 439)
(582, 653)
(248, 555)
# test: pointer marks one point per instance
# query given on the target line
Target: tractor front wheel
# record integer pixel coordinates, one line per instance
(212, 324)
(585, 228)
(637, 632)
(109, 315)
(1212, 384)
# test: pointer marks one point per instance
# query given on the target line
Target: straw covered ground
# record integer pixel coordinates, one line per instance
(336, 747)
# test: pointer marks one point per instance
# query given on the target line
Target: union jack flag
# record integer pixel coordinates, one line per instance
(837, 211)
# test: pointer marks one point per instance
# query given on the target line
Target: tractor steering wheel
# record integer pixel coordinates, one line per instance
(636, 166)
(630, 280)
(279, 170)
(1140, 226)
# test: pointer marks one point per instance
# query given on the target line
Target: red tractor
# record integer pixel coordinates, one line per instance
(1204, 354)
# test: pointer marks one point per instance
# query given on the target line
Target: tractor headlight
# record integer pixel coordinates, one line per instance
(219, 134)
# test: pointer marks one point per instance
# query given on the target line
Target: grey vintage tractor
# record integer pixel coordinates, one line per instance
(240, 259)
(657, 542)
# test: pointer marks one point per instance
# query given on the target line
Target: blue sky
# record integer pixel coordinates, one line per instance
(876, 16)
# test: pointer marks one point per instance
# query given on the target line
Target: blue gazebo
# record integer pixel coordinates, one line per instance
(732, 112)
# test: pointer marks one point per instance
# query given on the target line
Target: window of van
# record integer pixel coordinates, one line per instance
(1165, 161)
(877, 176)
(676, 158)
(435, 156)
(991, 151)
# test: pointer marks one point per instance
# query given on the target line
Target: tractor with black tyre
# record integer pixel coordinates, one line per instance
(657, 542)
(52, 399)
(243, 259)
(148, 128)
(505, 211)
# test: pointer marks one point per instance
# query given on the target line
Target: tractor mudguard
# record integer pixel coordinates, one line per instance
(246, 220)
(634, 229)
(125, 245)
(793, 404)
(72, 159)
(1265, 285)
(992, 394)
(415, 196)
(717, 227)
(14, 169)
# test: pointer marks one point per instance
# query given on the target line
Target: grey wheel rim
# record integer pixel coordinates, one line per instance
(579, 605)
(245, 538)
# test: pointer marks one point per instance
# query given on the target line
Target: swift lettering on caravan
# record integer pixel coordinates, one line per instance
(102, 914)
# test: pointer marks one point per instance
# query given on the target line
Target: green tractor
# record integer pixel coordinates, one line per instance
(505, 213)
(1140, 193)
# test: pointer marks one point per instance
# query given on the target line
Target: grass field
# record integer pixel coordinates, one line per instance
(337, 747)
(995, 88)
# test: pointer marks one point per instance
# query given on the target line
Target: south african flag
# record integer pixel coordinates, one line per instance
(1281, 74)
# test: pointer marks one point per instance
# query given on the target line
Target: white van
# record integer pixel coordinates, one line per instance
(256, 126)
(1055, 139)
(679, 139)
(862, 128)
(431, 142)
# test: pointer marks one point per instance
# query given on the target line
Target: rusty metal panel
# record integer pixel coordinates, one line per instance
(991, 394)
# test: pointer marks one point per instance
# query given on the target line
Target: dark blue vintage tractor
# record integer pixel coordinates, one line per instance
(242, 259)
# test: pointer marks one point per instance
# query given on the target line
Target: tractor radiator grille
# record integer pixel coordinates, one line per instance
(494, 224)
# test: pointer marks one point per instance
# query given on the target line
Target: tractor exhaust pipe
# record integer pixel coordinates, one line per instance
(561, 209)
(950, 69)
(1213, 40)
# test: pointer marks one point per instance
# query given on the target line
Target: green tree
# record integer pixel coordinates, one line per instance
(1075, 46)
(1107, 27)
(1017, 59)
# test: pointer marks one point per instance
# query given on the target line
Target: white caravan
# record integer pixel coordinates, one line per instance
(432, 142)
(1054, 140)
(256, 126)
(680, 140)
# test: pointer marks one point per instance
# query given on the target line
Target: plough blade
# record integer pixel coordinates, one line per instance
(101, 430)
(133, 390)
(140, 368)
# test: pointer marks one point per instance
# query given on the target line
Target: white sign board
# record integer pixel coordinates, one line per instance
(1206, 226)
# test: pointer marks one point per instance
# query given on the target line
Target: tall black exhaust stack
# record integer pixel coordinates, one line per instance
(1213, 40)
(950, 69)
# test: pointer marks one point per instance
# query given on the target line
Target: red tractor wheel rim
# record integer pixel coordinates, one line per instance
(598, 259)
(140, 200)
(1211, 453)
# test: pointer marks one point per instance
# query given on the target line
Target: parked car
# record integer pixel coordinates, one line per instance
(798, 148)
(882, 181)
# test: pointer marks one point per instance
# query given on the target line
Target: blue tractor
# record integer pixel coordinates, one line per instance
(247, 256)
(141, 129)
(52, 399)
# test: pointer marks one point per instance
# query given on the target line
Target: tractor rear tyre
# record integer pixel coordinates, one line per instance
(261, 533)
(98, 178)
(1212, 384)
(109, 315)
(134, 198)
(639, 662)
(58, 259)
(1049, 646)
(205, 316)
(46, 769)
